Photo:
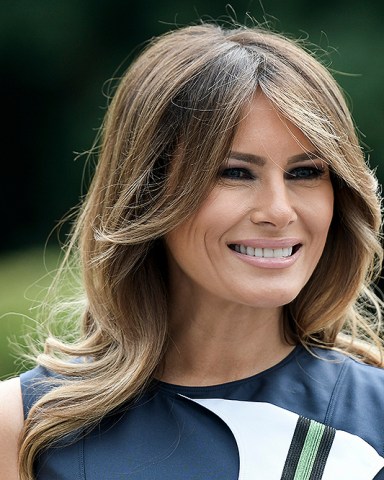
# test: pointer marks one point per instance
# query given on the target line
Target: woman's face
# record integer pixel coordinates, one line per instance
(259, 235)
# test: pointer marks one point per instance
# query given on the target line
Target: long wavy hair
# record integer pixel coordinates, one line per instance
(189, 87)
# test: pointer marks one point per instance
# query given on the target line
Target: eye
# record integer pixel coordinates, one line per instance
(306, 173)
(236, 173)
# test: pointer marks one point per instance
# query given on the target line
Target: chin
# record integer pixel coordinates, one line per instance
(271, 300)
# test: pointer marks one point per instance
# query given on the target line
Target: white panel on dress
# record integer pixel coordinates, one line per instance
(263, 433)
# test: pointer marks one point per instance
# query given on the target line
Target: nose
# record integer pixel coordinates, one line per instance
(273, 205)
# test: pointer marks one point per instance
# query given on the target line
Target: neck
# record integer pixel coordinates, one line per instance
(222, 343)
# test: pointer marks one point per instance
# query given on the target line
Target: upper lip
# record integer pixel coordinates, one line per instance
(267, 242)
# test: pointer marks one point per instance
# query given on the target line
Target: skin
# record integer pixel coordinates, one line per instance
(11, 421)
(226, 307)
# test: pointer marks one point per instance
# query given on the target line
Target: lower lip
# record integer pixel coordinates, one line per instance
(262, 262)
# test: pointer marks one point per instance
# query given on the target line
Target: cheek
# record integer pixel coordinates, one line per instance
(185, 243)
(321, 213)
(176, 241)
(317, 214)
(328, 209)
(211, 220)
(323, 219)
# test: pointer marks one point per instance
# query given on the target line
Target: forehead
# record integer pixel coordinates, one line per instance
(263, 132)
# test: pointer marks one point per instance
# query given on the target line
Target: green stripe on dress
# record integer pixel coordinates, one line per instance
(309, 452)
(323, 453)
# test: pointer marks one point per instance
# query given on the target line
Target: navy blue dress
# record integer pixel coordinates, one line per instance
(306, 418)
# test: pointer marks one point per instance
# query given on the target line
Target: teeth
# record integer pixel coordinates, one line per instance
(278, 252)
(264, 252)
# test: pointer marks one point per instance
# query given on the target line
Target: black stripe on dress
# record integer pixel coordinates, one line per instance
(295, 449)
(323, 453)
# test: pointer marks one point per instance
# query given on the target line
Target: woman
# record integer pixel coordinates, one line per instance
(227, 245)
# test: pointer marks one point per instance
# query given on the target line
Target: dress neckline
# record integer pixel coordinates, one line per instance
(189, 389)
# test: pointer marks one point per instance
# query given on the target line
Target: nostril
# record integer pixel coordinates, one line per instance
(278, 217)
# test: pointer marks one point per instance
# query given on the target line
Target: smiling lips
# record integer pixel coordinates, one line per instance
(265, 252)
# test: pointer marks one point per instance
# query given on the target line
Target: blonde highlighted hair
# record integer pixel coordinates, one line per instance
(189, 88)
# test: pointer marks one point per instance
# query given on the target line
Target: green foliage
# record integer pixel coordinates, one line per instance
(24, 279)
(57, 58)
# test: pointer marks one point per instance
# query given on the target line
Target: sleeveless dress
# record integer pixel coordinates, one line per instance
(310, 417)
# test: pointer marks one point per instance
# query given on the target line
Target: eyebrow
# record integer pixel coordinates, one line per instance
(261, 161)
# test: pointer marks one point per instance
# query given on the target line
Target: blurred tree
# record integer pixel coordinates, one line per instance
(56, 57)
(56, 60)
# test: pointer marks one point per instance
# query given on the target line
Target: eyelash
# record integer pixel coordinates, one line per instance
(311, 173)
(244, 174)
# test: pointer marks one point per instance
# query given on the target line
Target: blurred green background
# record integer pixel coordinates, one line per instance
(56, 59)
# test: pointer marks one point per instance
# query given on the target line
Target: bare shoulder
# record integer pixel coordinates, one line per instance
(11, 423)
